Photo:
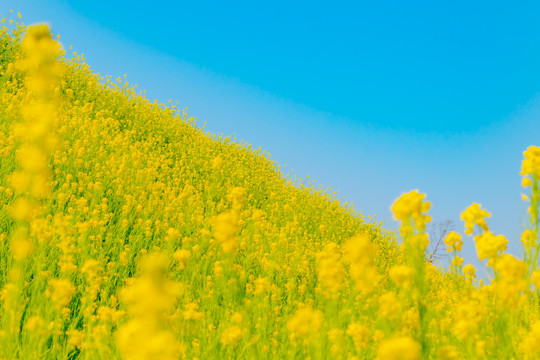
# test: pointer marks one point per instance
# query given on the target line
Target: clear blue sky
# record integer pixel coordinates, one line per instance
(373, 99)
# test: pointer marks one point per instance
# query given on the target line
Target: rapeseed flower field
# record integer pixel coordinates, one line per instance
(128, 232)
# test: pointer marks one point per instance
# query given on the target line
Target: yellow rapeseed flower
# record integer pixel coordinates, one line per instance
(529, 344)
(528, 238)
(474, 215)
(182, 256)
(411, 206)
(336, 338)
(60, 291)
(399, 348)
(225, 229)
(330, 268)
(448, 352)
(531, 164)
(304, 322)
(469, 271)
(402, 275)
(526, 182)
(512, 280)
(358, 252)
(232, 335)
(535, 279)
(191, 312)
(453, 241)
(149, 299)
(457, 262)
(489, 246)
(217, 163)
(262, 285)
(467, 317)
(360, 335)
(389, 305)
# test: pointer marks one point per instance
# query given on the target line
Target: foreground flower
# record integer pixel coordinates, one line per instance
(232, 335)
(529, 344)
(512, 282)
(402, 275)
(531, 163)
(399, 348)
(490, 246)
(225, 225)
(150, 299)
(411, 206)
(329, 269)
(304, 322)
(358, 252)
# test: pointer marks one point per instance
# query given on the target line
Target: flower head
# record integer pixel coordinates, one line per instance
(489, 246)
(469, 271)
(403, 347)
(232, 335)
(304, 322)
(474, 215)
(411, 206)
(531, 163)
(453, 241)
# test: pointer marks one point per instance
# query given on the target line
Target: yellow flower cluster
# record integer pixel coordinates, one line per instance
(529, 344)
(305, 322)
(453, 241)
(60, 292)
(402, 347)
(531, 163)
(38, 111)
(528, 238)
(232, 335)
(474, 215)
(149, 299)
(469, 271)
(513, 281)
(225, 225)
(358, 253)
(402, 275)
(409, 206)
(360, 335)
(490, 246)
(330, 269)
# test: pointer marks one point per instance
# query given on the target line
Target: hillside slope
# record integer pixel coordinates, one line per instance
(131, 177)
(127, 231)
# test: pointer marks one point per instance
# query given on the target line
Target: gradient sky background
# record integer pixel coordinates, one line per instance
(373, 99)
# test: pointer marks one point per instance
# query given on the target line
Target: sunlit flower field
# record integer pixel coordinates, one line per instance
(128, 232)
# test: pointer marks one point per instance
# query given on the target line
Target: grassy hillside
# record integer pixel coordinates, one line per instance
(128, 232)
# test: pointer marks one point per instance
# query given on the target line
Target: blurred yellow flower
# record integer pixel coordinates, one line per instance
(531, 164)
(232, 335)
(453, 241)
(474, 215)
(399, 348)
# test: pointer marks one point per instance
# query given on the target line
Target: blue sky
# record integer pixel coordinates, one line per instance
(372, 99)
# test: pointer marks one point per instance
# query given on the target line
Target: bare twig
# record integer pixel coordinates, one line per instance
(439, 231)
